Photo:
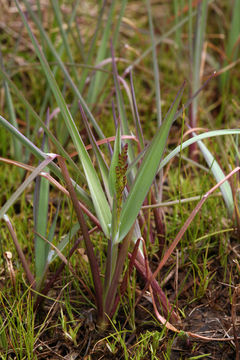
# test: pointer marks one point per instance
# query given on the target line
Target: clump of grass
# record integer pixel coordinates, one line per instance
(17, 334)
(107, 189)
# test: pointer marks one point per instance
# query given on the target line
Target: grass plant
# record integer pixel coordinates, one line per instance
(111, 225)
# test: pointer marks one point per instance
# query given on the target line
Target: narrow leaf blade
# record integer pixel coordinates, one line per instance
(98, 197)
(147, 172)
(218, 175)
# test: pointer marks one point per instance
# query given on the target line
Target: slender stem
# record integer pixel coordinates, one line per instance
(127, 275)
(110, 297)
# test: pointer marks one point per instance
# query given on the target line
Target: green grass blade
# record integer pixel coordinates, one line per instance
(115, 179)
(78, 39)
(232, 46)
(197, 54)
(40, 155)
(155, 65)
(92, 49)
(52, 255)
(56, 67)
(218, 175)
(40, 226)
(40, 207)
(13, 120)
(25, 184)
(98, 197)
(234, 32)
(12, 115)
(158, 41)
(118, 24)
(178, 5)
(58, 15)
(52, 230)
(122, 110)
(136, 114)
(95, 86)
(60, 63)
(206, 135)
(99, 80)
(118, 269)
(157, 87)
(178, 113)
(190, 31)
(40, 122)
(146, 172)
(112, 253)
(100, 159)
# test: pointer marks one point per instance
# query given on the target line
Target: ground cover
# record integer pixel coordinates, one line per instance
(119, 179)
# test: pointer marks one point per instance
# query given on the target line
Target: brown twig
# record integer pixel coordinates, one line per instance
(236, 294)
